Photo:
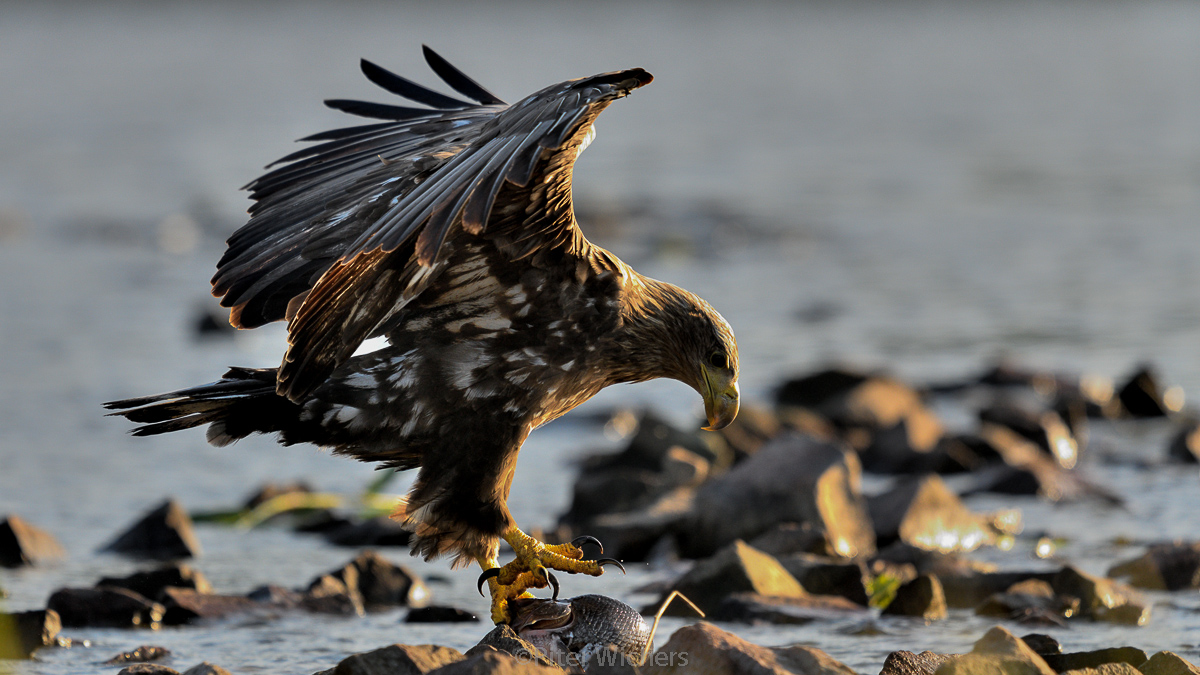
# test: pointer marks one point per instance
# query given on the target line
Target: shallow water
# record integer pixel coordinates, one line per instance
(917, 186)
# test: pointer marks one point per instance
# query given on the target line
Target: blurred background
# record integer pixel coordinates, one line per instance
(916, 186)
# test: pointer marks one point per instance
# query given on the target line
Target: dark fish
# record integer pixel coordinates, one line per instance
(576, 630)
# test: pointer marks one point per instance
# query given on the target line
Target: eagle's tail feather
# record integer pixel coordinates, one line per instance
(239, 404)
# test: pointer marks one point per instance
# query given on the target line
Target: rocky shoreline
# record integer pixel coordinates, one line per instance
(774, 513)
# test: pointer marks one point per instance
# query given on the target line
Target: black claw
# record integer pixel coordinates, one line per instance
(487, 574)
(579, 541)
(611, 561)
(553, 584)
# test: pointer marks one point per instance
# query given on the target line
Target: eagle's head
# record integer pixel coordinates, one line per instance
(711, 356)
(670, 332)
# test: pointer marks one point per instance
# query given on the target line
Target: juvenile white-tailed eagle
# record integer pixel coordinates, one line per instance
(448, 229)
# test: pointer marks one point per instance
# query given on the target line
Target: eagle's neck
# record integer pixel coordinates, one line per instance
(649, 342)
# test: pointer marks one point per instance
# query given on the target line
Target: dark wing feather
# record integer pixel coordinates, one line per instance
(458, 80)
(311, 208)
(353, 300)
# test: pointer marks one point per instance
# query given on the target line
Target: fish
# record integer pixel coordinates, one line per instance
(581, 630)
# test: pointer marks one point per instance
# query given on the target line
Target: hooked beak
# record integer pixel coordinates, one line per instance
(720, 398)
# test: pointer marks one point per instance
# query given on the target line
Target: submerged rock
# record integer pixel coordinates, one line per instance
(105, 608)
(163, 533)
(736, 568)
(23, 633)
(792, 479)
(23, 544)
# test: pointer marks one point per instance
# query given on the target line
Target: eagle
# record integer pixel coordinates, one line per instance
(447, 228)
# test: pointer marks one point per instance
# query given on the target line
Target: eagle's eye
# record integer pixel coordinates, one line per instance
(718, 360)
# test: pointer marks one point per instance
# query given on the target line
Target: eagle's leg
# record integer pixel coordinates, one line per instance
(531, 569)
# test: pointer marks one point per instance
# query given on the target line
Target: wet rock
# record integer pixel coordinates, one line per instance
(1185, 446)
(211, 324)
(922, 597)
(328, 594)
(1029, 598)
(895, 426)
(753, 608)
(397, 660)
(753, 427)
(493, 662)
(439, 614)
(381, 583)
(163, 533)
(23, 544)
(1168, 663)
(147, 669)
(1102, 599)
(650, 444)
(1142, 395)
(185, 605)
(206, 668)
(142, 654)
(616, 490)
(791, 479)
(151, 583)
(1028, 470)
(23, 633)
(704, 648)
(635, 535)
(737, 568)
(377, 531)
(1042, 644)
(1046, 429)
(1106, 669)
(504, 639)
(998, 651)
(923, 512)
(1095, 659)
(105, 608)
(908, 663)
(1163, 567)
(968, 589)
(822, 576)
(790, 539)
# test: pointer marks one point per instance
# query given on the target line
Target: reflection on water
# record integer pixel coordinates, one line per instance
(935, 183)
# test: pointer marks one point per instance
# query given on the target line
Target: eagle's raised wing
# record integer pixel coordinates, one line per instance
(349, 231)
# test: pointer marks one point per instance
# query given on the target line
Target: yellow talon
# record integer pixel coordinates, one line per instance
(531, 568)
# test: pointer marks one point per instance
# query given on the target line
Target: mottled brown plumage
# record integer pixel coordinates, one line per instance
(450, 231)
